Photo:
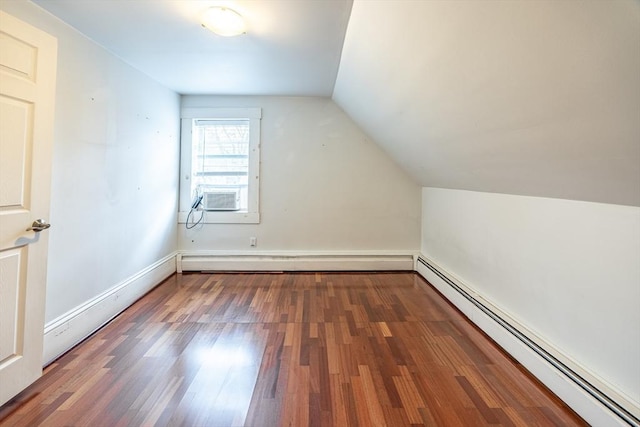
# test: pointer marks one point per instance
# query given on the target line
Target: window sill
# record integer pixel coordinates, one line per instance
(211, 217)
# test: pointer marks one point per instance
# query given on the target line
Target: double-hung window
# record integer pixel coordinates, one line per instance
(220, 160)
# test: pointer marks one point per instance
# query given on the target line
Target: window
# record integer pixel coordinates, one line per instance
(220, 158)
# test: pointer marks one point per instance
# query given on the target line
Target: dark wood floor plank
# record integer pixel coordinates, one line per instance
(305, 349)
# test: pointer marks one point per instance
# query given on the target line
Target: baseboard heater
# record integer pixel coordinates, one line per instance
(593, 391)
(271, 261)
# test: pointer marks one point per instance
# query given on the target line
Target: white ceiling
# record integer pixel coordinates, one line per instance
(292, 47)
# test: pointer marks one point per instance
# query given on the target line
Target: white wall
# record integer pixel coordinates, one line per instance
(115, 168)
(324, 185)
(567, 270)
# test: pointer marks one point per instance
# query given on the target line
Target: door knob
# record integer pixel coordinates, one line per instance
(39, 225)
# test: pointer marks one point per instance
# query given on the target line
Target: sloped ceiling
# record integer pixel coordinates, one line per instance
(537, 98)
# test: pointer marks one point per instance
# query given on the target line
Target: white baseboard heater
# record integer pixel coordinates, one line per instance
(268, 261)
(569, 373)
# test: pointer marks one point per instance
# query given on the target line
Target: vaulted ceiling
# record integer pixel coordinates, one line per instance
(519, 97)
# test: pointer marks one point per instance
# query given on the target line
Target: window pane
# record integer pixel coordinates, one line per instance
(220, 157)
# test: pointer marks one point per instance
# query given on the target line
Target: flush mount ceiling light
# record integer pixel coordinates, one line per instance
(223, 21)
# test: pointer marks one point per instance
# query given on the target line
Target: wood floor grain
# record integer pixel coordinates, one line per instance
(305, 349)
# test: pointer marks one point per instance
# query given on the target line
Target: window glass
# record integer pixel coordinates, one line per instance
(220, 157)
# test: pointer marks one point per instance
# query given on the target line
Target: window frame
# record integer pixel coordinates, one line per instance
(188, 116)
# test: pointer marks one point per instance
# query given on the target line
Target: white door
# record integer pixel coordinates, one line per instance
(27, 91)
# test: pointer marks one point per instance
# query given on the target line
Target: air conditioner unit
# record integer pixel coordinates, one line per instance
(221, 201)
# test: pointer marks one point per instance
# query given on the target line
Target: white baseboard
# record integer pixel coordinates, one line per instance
(582, 402)
(296, 261)
(63, 333)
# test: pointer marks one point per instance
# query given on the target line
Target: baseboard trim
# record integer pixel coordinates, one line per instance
(64, 332)
(592, 399)
(295, 261)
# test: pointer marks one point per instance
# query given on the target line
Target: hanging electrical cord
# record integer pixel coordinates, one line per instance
(194, 207)
(195, 223)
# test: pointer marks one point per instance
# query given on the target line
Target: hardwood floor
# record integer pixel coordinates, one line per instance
(305, 349)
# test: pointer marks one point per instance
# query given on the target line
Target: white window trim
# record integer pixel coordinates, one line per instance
(252, 214)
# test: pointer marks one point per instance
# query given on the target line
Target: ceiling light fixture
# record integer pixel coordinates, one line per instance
(223, 21)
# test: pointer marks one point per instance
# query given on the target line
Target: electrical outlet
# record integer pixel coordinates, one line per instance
(253, 242)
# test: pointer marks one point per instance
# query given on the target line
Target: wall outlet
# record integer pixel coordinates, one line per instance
(253, 242)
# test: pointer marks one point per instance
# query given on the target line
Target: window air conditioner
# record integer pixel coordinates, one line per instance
(221, 201)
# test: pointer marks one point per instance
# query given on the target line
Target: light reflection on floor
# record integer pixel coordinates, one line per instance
(224, 383)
